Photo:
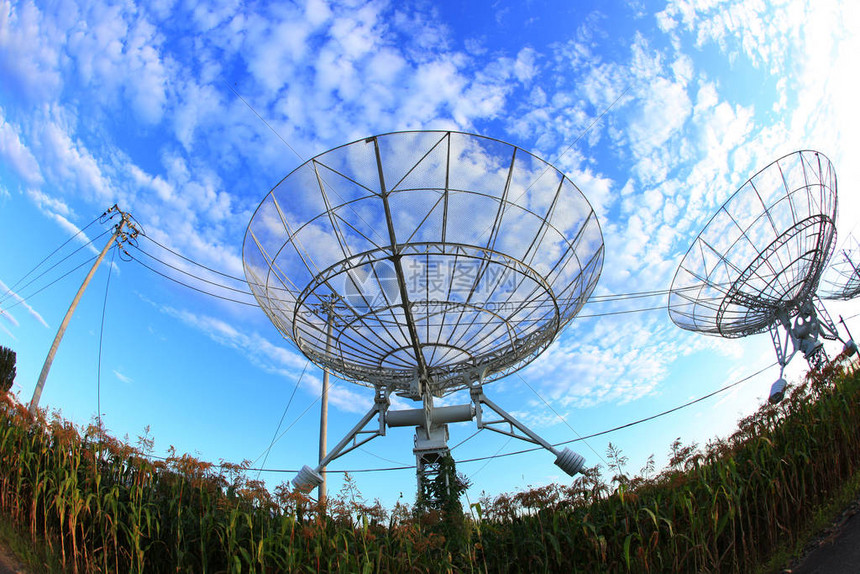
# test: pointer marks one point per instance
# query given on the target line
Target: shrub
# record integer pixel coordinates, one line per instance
(7, 368)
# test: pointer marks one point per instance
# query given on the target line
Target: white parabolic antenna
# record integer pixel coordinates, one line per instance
(423, 263)
(757, 264)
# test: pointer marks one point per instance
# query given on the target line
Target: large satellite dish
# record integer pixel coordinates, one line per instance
(422, 263)
(757, 264)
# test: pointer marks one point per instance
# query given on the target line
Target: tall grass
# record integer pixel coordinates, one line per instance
(106, 506)
(726, 508)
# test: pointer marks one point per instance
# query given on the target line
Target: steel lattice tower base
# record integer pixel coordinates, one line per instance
(431, 449)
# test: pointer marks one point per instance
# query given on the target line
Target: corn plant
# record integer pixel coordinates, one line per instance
(106, 506)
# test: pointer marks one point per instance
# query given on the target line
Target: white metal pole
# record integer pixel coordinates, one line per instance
(324, 414)
(37, 393)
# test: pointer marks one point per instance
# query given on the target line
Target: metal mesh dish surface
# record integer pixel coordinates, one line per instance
(841, 279)
(762, 253)
(427, 255)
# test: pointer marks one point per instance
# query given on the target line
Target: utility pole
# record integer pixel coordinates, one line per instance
(321, 492)
(125, 222)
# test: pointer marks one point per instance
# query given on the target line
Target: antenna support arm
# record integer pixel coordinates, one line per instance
(569, 461)
(309, 478)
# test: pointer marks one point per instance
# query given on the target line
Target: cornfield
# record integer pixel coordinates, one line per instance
(105, 506)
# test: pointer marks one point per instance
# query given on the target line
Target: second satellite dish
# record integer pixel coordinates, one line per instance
(841, 280)
(757, 264)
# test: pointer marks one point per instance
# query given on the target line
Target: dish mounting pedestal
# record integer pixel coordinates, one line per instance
(431, 437)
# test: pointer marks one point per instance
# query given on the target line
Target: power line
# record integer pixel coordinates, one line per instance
(556, 413)
(51, 254)
(196, 277)
(61, 277)
(232, 89)
(101, 338)
(254, 304)
(189, 260)
(189, 274)
(638, 421)
(465, 440)
(491, 457)
(11, 294)
(591, 299)
(605, 298)
(612, 297)
(625, 312)
(529, 305)
(303, 413)
(373, 454)
(289, 402)
(579, 438)
(514, 453)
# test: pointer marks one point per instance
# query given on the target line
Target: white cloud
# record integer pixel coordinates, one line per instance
(5, 330)
(146, 83)
(598, 189)
(116, 48)
(123, 378)
(525, 66)
(271, 358)
(72, 163)
(811, 49)
(213, 14)
(377, 69)
(161, 8)
(588, 369)
(50, 204)
(58, 210)
(197, 103)
(826, 116)
(274, 46)
(10, 294)
(663, 108)
(17, 154)
(72, 229)
(8, 316)
(163, 190)
(379, 72)
(29, 57)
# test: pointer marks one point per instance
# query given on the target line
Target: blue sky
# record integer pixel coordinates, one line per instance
(158, 107)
